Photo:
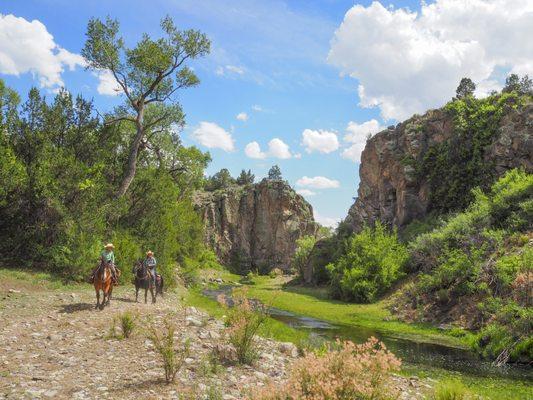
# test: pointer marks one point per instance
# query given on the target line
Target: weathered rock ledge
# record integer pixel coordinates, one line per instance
(390, 191)
(255, 226)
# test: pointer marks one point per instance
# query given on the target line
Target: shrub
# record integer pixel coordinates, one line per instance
(483, 257)
(347, 372)
(163, 340)
(450, 390)
(127, 323)
(243, 323)
(304, 246)
(371, 264)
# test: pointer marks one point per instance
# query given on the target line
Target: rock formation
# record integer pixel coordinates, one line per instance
(255, 226)
(390, 189)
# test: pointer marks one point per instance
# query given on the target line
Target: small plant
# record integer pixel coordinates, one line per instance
(127, 323)
(243, 323)
(451, 390)
(214, 393)
(163, 341)
(210, 365)
(345, 371)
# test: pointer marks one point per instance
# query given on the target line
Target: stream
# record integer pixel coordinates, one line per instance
(420, 354)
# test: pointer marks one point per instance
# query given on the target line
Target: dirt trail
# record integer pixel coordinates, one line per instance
(55, 345)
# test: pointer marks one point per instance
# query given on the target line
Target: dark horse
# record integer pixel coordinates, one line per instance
(143, 280)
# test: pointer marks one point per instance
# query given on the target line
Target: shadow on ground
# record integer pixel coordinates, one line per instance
(75, 307)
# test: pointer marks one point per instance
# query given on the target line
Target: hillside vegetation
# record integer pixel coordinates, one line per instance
(476, 270)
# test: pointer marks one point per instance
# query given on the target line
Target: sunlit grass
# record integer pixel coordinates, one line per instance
(314, 302)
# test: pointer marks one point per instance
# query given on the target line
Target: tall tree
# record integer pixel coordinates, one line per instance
(274, 173)
(148, 75)
(465, 89)
(245, 178)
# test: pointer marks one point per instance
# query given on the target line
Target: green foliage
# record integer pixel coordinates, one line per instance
(301, 256)
(245, 178)
(483, 255)
(371, 264)
(274, 173)
(221, 180)
(455, 166)
(243, 324)
(465, 89)
(451, 390)
(148, 76)
(127, 324)
(172, 356)
(513, 83)
(61, 168)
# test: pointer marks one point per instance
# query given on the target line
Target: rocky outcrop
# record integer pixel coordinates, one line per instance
(391, 190)
(255, 226)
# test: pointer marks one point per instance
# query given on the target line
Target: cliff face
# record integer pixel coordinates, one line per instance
(255, 226)
(393, 192)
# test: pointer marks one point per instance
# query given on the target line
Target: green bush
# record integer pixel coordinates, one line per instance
(482, 256)
(127, 324)
(372, 262)
(172, 356)
(451, 390)
(304, 246)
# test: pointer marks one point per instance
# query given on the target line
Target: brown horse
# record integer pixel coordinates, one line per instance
(103, 281)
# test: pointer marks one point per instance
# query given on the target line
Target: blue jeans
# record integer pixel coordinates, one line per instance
(154, 273)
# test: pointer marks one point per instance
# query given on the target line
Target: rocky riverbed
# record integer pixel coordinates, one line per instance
(53, 344)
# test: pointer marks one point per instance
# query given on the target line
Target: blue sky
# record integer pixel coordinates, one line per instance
(300, 77)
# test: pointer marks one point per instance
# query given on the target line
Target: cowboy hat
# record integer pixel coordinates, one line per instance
(109, 246)
(149, 253)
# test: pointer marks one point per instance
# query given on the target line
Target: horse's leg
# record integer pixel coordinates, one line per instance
(146, 294)
(110, 292)
(97, 297)
(136, 293)
(152, 293)
(102, 304)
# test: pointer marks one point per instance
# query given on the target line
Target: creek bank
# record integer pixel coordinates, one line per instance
(412, 352)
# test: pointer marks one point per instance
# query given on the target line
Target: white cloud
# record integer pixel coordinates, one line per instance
(321, 141)
(407, 62)
(235, 69)
(253, 150)
(277, 148)
(359, 132)
(318, 182)
(326, 221)
(213, 136)
(357, 135)
(28, 47)
(229, 69)
(242, 116)
(306, 192)
(107, 84)
(257, 108)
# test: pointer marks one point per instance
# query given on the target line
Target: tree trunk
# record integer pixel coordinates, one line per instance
(131, 168)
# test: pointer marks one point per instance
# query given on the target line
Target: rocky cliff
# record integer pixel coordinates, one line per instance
(395, 189)
(255, 226)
